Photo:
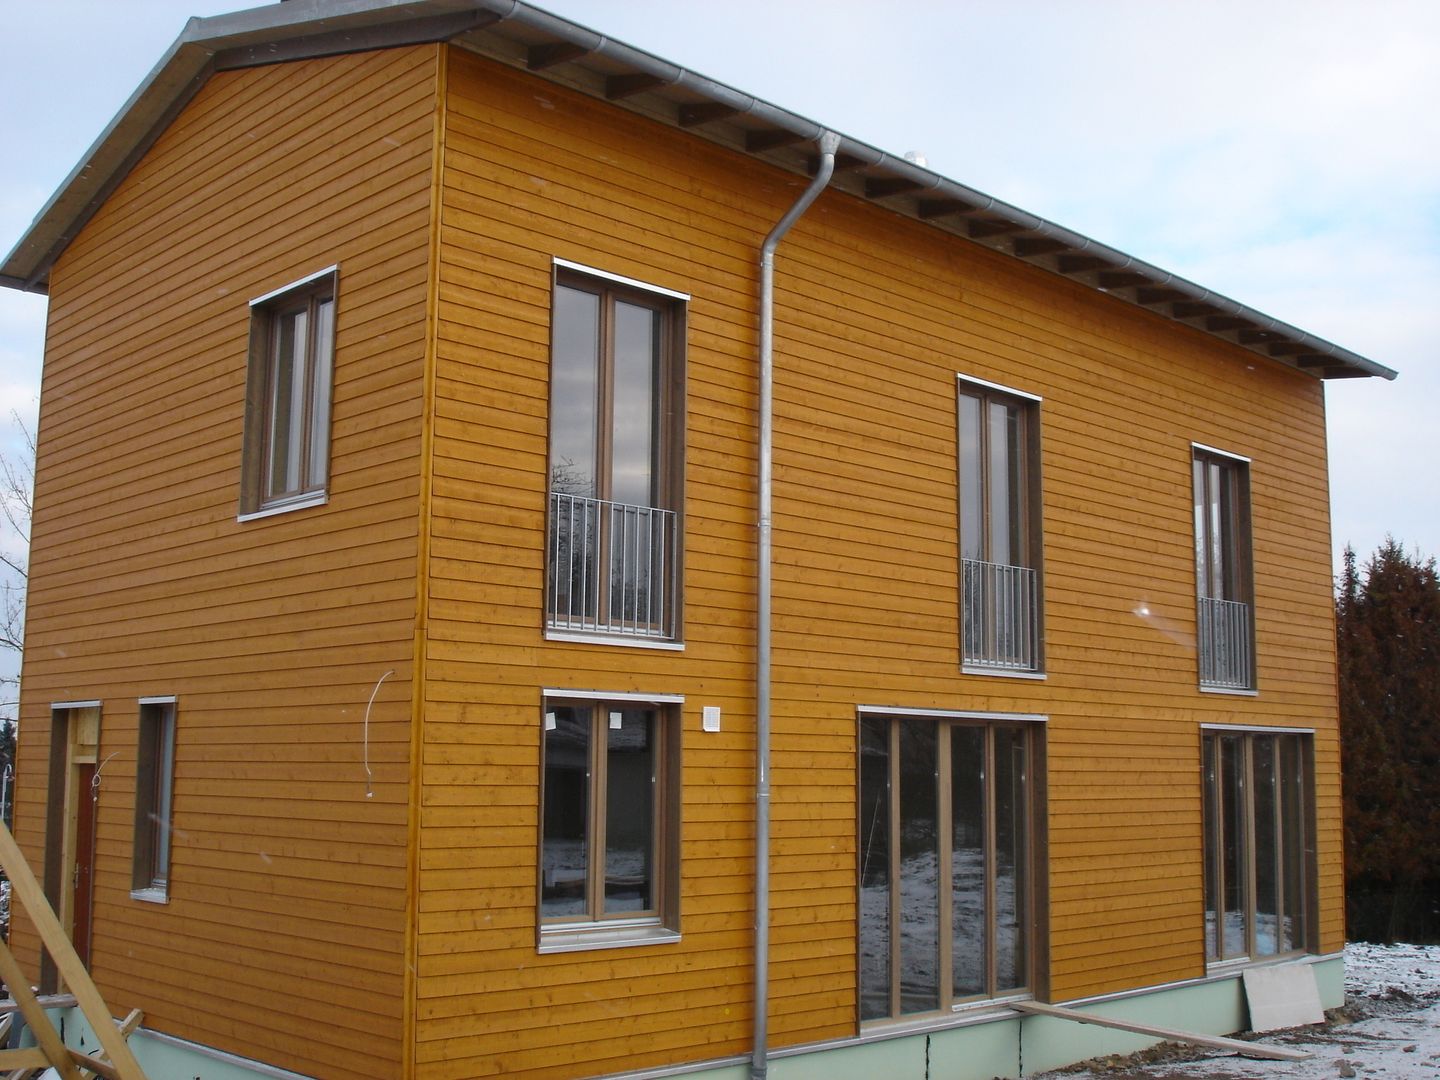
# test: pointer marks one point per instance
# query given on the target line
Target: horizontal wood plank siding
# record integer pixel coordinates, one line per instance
(875, 316)
(283, 936)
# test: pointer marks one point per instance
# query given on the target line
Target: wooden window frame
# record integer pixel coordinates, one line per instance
(1025, 506)
(594, 929)
(1030, 921)
(154, 800)
(667, 444)
(1213, 846)
(316, 297)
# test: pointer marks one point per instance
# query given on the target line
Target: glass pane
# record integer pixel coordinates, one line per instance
(320, 379)
(1234, 859)
(1292, 842)
(874, 868)
(286, 404)
(1210, 787)
(1202, 532)
(637, 370)
(630, 811)
(1011, 843)
(972, 508)
(564, 857)
(968, 917)
(1267, 882)
(1216, 532)
(574, 391)
(919, 870)
(1003, 423)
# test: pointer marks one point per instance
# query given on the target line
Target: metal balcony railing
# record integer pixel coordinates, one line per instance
(610, 568)
(1225, 651)
(1000, 617)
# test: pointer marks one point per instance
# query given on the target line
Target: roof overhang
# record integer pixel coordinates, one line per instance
(526, 37)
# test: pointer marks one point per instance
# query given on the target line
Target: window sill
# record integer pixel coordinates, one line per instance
(1001, 673)
(295, 502)
(153, 895)
(615, 639)
(587, 936)
(1229, 691)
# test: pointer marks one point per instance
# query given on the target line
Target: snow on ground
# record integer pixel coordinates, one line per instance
(1389, 1029)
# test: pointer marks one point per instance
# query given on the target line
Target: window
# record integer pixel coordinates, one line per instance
(1258, 865)
(947, 838)
(610, 813)
(287, 397)
(1224, 621)
(999, 528)
(616, 425)
(154, 785)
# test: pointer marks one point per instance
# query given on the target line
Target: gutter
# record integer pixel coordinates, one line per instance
(829, 144)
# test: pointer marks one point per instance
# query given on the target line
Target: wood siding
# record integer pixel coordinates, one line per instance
(875, 316)
(283, 936)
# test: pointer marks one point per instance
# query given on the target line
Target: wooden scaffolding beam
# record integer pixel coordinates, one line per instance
(116, 1061)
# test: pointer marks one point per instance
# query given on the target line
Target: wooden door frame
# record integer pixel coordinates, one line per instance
(74, 743)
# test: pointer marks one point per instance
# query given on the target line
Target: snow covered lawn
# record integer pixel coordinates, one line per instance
(1389, 1028)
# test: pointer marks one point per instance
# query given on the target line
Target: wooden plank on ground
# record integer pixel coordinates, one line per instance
(52, 1047)
(1215, 1042)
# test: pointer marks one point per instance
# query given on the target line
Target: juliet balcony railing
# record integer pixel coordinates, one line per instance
(1000, 613)
(1226, 660)
(611, 568)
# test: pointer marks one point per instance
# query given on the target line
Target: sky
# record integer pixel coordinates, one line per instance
(1284, 153)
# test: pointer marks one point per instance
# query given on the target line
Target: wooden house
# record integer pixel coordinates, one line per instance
(492, 610)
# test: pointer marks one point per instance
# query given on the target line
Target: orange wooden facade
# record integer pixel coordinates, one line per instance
(342, 935)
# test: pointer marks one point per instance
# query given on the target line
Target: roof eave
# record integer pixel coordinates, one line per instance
(523, 36)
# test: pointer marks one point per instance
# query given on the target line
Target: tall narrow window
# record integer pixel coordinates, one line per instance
(608, 818)
(1257, 797)
(154, 787)
(616, 420)
(946, 855)
(287, 418)
(1224, 616)
(999, 529)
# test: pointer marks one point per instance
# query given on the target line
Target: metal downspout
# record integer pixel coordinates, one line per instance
(759, 1061)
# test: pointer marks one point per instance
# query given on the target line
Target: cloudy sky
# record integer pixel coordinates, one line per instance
(1284, 153)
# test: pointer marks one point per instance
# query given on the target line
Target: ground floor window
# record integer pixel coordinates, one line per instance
(1258, 859)
(946, 846)
(608, 821)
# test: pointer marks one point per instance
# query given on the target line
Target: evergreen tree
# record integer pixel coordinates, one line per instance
(1388, 627)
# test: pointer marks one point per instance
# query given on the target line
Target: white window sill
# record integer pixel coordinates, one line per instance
(1001, 673)
(295, 502)
(615, 639)
(1229, 691)
(586, 936)
(156, 894)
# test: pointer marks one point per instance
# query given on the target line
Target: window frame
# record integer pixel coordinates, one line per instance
(311, 458)
(667, 454)
(594, 929)
(154, 799)
(1025, 508)
(1223, 550)
(1029, 923)
(1303, 873)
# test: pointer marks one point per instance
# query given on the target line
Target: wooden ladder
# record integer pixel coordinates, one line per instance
(115, 1060)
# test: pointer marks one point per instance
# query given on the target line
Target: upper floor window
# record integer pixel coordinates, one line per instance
(154, 788)
(999, 528)
(1258, 872)
(287, 396)
(1224, 616)
(616, 430)
(949, 809)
